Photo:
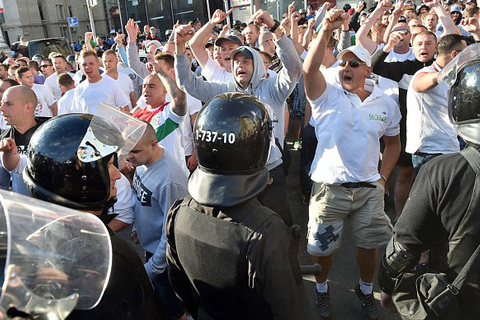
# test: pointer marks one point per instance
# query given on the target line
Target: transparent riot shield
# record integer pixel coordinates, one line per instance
(55, 259)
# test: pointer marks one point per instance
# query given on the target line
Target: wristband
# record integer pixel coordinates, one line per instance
(383, 177)
(275, 26)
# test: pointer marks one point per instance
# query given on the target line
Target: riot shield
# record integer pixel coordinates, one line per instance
(55, 259)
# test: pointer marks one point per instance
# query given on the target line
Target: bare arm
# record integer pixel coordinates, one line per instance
(315, 83)
(390, 155)
(198, 41)
(362, 37)
(425, 81)
(307, 36)
(54, 109)
(445, 18)
(295, 17)
(392, 20)
(179, 98)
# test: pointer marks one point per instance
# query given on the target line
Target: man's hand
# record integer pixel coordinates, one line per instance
(471, 24)
(393, 40)
(183, 33)
(291, 8)
(119, 39)
(311, 23)
(285, 25)
(387, 302)
(361, 5)
(218, 16)
(192, 163)
(132, 30)
(295, 17)
(327, 5)
(384, 5)
(263, 18)
(8, 146)
(432, 3)
(334, 19)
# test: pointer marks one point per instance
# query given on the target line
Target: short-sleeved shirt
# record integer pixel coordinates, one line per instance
(348, 132)
(66, 103)
(125, 84)
(429, 129)
(45, 99)
(89, 95)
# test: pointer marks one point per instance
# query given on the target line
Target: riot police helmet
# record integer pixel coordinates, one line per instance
(68, 161)
(232, 140)
(464, 101)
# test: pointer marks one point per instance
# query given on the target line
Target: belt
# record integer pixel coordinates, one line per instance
(358, 185)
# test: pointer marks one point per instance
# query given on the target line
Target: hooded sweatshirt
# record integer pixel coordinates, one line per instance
(271, 91)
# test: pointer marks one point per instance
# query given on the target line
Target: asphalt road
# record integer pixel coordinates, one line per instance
(343, 275)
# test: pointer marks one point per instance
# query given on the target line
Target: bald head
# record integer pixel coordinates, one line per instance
(23, 95)
(149, 135)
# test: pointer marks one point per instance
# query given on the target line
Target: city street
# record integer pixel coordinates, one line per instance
(343, 275)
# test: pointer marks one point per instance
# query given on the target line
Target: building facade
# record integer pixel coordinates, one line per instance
(35, 19)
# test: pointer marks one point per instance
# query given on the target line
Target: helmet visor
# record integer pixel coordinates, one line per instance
(110, 131)
(449, 73)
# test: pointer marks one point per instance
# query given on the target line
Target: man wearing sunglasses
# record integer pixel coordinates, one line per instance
(349, 121)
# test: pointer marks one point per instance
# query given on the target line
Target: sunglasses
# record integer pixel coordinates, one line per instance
(352, 63)
(46, 65)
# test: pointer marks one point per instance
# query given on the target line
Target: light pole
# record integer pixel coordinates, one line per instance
(90, 5)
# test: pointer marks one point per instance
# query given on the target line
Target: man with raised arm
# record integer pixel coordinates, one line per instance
(349, 121)
(249, 74)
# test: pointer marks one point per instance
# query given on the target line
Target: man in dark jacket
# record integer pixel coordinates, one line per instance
(229, 257)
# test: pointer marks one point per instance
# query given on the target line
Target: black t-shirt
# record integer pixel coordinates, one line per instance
(22, 140)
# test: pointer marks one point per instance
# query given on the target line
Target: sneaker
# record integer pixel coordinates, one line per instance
(369, 306)
(323, 304)
(297, 145)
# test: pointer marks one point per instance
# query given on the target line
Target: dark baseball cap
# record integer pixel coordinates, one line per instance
(210, 43)
(230, 38)
(248, 54)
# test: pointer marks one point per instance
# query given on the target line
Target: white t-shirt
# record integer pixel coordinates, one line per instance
(45, 100)
(429, 129)
(398, 57)
(66, 103)
(214, 72)
(89, 95)
(51, 83)
(125, 201)
(348, 132)
(137, 81)
(125, 84)
(194, 106)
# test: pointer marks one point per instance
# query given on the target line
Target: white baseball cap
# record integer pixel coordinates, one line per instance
(360, 52)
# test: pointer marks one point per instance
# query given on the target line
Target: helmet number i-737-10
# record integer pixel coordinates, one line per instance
(211, 136)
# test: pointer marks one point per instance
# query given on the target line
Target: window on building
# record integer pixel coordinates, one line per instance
(64, 32)
(60, 12)
(70, 12)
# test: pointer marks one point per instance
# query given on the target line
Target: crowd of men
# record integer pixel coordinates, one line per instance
(359, 86)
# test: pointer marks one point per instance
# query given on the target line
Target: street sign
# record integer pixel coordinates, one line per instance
(92, 3)
(72, 21)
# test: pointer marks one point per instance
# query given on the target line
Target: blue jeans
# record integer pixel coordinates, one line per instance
(173, 306)
(419, 159)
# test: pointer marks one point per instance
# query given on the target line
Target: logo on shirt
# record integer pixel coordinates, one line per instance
(143, 194)
(378, 117)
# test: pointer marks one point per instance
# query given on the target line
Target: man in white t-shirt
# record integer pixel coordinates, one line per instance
(60, 65)
(66, 83)
(110, 63)
(349, 121)
(211, 70)
(47, 104)
(429, 129)
(97, 89)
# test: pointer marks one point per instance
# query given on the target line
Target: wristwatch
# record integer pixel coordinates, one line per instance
(275, 26)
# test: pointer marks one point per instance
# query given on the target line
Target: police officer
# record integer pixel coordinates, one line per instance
(230, 257)
(442, 212)
(71, 164)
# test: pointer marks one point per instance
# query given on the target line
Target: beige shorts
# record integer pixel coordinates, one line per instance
(331, 204)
